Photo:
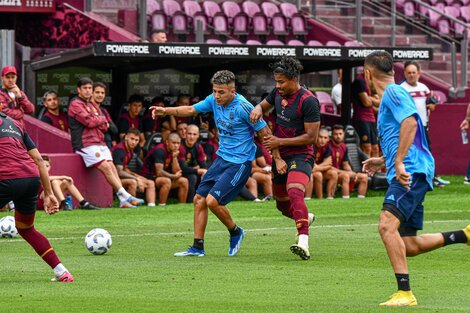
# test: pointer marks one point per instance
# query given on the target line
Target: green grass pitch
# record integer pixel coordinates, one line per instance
(348, 272)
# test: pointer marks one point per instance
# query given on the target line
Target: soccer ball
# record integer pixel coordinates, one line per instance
(98, 241)
(7, 227)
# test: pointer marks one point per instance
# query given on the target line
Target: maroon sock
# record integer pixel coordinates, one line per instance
(285, 207)
(299, 210)
(41, 245)
(37, 240)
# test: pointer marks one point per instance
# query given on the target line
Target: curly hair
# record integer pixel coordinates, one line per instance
(288, 66)
(223, 78)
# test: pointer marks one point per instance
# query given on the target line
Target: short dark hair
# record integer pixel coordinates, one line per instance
(223, 77)
(50, 93)
(338, 126)
(136, 98)
(380, 60)
(418, 67)
(158, 99)
(288, 66)
(84, 81)
(99, 84)
(134, 131)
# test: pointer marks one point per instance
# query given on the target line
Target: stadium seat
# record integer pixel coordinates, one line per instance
(211, 8)
(297, 21)
(332, 43)
(152, 141)
(314, 43)
(357, 156)
(233, 42)
(274, 42)
(257, 19)
(409, 9)
(295, 42)
(215, 17)
(237, 19)
(152, 6)
(275, 19)
(214, 41)
(253, 42)
(159, 21)
(455, 13)
(326, 104)
(353, 43)
(178, 21)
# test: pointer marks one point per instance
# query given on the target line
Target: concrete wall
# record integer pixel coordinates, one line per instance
(57, 145)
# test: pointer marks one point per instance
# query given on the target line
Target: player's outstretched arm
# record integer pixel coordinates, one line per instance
(257, 113)
(176, 111)
(51, 205)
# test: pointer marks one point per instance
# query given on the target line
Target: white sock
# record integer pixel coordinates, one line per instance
(303, 241)
(59, 270)
(361, 196)
(122, 194)
(345, 197)
(150, 204)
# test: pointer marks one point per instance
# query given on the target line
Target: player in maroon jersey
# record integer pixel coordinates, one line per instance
(53, 115)
(346, 176)
(297, 113)
(22, 170)
(323, 169)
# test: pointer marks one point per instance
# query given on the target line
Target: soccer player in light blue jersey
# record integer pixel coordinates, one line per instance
(410, 171)
(232, 168)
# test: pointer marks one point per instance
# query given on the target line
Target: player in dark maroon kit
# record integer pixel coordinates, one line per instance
(162, 164)
(297, 114)
(132, 118)
(53, 115)
(22, 170)
(13, 102)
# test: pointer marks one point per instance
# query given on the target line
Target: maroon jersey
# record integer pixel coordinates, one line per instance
(339, 154)
(270, 119)
(125, 122)
(150, 125)
(15, 108)
(321, 153)
(361, 113)
(158, 154)
(60, 121)
(191, 157)
(291, 113)
(121, 154)
(14, 146)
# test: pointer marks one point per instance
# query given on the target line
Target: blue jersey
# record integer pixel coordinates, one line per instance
(236, 132)
(396, 106)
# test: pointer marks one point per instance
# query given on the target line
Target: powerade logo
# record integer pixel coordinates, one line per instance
(179, 50)
(127, 49)
(275, 51)
(411, 54)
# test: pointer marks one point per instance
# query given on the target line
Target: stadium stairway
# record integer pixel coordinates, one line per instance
(376, 32)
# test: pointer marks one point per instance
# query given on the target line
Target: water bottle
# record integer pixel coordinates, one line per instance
(464, 136)
(68, 199)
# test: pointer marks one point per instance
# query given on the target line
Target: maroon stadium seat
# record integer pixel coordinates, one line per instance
(258, 20)
(178, 21)
(326, 104)
(194, 11)
(455, 13)
(159, 21)
(409, 9)
(237, 19)
(275, 18)
(353, 43)
(314, 43)
(295, 42)
(296, 20)
(253, 42)
(152, 6)
(215, 17)
(233, 42)
(332, 43)
(214, 41)
(274, 42)
(465, 13)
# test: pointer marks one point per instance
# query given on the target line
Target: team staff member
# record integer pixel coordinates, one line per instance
(230, 171)
(410, 170)
(22, 170)
(87, 127)
(13, 101)
(53, 115)
(297, 113)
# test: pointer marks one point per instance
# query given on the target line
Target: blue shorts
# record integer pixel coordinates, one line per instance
(224, 180)
(408, 202)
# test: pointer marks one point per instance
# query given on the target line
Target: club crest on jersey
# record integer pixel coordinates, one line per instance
(232, 115)
(97, 154)
(293, 165)
(284, 102)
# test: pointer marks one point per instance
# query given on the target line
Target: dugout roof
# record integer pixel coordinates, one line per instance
(126, 58)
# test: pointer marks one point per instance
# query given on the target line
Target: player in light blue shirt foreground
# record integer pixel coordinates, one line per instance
(410, 171)
(232, 168)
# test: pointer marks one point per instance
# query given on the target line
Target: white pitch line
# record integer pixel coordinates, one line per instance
(224, 231)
